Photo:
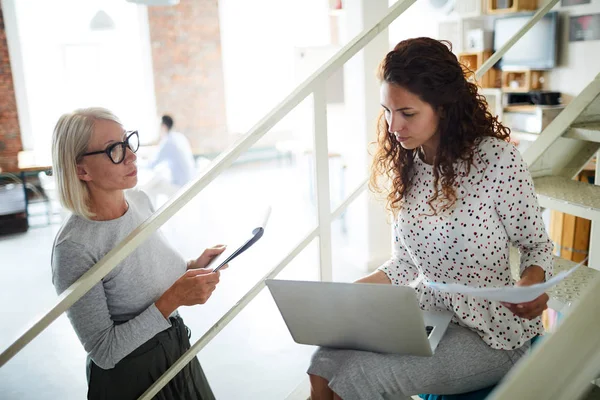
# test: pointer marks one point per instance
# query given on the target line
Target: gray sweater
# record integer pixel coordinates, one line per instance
(117, 315)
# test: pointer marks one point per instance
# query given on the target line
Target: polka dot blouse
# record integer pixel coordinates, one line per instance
(469, 243)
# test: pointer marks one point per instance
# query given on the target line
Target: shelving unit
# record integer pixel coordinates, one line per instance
(470, 8)
(571, 234)
(530, 118)
(493, 96)
(451, 29)
(474, 60)
(527, 80)
(513, 6)
(528, 121)
(468, 15)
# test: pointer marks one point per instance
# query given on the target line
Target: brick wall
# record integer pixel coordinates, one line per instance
(10, 135)
(188, 72)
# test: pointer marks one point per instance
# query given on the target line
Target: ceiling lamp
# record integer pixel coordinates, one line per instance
(102, 22)
(155, 2)
(442, 6)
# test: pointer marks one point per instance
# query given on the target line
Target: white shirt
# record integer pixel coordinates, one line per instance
(175, 150)
(469, 243)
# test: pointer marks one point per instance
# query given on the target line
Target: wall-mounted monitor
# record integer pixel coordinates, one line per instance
(537, 49)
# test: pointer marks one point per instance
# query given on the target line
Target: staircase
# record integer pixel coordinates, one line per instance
(555, 158)
(564, 363)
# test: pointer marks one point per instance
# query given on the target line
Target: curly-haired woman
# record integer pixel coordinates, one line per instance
(461, 195)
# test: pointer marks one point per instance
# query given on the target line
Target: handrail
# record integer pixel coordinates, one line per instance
(322, 183)
(355, 193)
(225, 319)
(140, 234)
(490, 62)
(244, 301)
(575, 342)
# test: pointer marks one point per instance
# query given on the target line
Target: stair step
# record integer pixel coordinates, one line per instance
(589, 132)
(569, 196)
(570, 289)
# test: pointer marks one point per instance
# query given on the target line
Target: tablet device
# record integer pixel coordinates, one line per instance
(257, 233)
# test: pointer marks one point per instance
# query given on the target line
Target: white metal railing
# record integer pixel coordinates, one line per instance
(564, 363)
(243, 302)
(314, 85)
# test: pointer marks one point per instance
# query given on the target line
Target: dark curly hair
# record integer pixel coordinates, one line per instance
(427, 68)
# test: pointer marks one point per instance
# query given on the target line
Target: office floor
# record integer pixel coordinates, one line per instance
(252, 358)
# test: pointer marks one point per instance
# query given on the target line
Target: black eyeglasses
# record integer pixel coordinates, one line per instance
(117, 151)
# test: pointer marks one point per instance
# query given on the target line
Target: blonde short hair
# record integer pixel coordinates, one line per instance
(70, 140)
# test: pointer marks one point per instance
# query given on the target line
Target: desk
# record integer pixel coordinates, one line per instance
(26, 165)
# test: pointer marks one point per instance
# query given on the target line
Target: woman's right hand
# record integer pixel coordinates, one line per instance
(194, 287)
(376, 277)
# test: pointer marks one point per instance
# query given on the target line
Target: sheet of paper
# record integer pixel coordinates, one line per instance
(509, 294)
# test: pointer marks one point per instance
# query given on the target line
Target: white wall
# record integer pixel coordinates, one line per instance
(258, 39)
(65, 65)
(419, 20)
(579, 62)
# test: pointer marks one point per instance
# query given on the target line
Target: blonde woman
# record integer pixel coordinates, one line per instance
(127, 323)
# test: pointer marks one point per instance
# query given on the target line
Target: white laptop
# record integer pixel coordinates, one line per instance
(370, 317)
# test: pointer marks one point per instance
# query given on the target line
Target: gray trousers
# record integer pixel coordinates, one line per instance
(462, 363)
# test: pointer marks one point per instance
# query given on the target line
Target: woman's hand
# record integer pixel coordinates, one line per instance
(375, 277)
(206, 257)
(532, 309)
(194, 287)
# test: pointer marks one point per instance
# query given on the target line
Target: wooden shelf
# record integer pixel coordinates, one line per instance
(530, 108)
(514, 6)
(474, 60)
(526, 79)
(570, 234)
(591, 165)
(526, 108)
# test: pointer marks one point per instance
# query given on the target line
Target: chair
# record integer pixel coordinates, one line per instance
(480, 394)
(476, 395)
(42, 193)
(50, 197)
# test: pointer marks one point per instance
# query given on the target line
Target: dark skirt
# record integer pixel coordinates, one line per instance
(134, 374)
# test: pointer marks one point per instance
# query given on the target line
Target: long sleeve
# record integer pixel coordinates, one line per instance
(517, 206)
(470, 243)
(106, 342)
(399, 269)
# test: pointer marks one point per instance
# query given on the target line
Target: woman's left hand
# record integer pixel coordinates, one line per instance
(206, 257)
(531, 309)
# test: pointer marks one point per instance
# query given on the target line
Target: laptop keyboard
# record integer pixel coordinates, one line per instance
(428, 330)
